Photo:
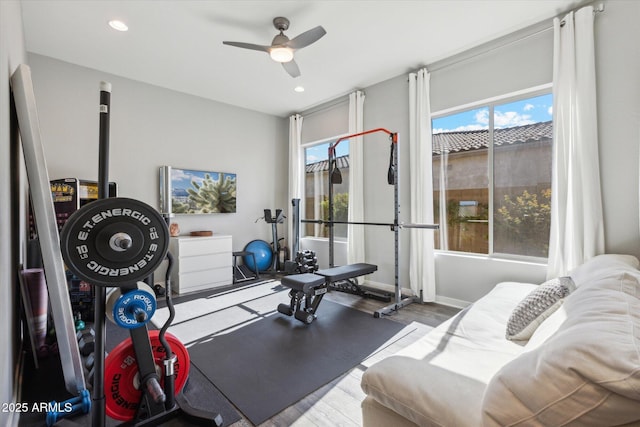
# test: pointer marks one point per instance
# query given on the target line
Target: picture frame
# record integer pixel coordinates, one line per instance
(191, 191)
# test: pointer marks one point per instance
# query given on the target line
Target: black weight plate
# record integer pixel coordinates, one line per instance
(91, 241)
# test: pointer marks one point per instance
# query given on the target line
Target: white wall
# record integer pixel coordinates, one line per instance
(151, 127)
(12, 53)
(618, 74)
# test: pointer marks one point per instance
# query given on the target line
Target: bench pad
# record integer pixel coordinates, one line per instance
(345, 272)
(302, 282)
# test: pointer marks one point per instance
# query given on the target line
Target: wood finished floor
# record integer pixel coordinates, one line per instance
(338, 403)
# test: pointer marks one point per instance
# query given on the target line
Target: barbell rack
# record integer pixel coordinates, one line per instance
(393, 178)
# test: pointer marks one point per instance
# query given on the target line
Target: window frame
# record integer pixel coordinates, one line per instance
(491, 103)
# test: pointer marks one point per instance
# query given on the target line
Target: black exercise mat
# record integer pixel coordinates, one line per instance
(266, 366)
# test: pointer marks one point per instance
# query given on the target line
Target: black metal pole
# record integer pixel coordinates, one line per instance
(396, 215)
(169, 374)
(332, 159)
(98, 407)
(295, 228)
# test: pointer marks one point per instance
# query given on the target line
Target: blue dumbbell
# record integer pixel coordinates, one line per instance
(73, 406)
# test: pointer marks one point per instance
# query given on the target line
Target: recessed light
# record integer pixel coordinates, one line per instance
(118, 25)
(299, 89)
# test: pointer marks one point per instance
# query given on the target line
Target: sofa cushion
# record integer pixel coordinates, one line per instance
(587, 372)
(537, 306)
(440, 379)
(603, 266)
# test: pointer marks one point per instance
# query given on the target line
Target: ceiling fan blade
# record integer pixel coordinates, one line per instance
(306, 38)
(292, 68)
(249, 46)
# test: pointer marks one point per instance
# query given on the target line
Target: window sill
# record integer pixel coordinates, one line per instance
(325, 239)
(528, 260)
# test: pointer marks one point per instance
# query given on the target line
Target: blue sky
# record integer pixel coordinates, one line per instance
(181, 178)
(524, 112)
(320, 152)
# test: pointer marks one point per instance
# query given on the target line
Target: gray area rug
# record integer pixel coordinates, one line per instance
(263, 361)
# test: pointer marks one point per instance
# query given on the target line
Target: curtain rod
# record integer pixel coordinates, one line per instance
(501, 42)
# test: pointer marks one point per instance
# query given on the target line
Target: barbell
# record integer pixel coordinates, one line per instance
(384, 224)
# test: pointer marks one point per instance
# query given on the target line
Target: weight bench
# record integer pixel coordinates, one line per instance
(308, 287)
(312, 287)
(342, 279)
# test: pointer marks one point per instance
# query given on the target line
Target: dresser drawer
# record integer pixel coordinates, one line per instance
(205, 262)
(204, 279)
(203, 245)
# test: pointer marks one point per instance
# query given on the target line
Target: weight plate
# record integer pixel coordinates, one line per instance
(114, 242)
(121, 379)
(123, 309)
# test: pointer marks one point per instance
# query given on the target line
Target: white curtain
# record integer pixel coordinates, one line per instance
(421, 257)
(577, 232)
(296, 171)
(355, 248)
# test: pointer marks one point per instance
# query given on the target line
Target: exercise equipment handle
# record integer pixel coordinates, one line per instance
(170, 357)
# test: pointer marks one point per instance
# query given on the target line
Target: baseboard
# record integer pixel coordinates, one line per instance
(382, 287)
(451, 302)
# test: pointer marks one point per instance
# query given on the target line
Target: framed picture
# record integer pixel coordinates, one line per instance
(188, 191)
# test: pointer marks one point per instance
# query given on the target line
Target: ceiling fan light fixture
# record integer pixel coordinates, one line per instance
(118, 25)
(281, 54)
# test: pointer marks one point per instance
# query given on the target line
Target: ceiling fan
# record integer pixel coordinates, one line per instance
(282, 48)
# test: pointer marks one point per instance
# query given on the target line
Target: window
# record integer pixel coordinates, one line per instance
(494, 196)
(316, 188)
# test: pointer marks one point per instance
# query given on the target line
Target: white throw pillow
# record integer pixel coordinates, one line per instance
(537, 306)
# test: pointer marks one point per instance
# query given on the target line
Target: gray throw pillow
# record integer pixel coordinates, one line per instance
(537, 306)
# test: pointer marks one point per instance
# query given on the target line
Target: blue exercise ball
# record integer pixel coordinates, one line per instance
(262, 251)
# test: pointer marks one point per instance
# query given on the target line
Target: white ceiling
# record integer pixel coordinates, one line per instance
(178, 44)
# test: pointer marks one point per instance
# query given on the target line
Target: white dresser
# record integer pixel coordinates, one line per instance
(200, 263)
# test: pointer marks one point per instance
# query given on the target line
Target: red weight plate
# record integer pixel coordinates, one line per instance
(121, 380)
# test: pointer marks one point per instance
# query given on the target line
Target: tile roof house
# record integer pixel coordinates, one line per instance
(454, 142)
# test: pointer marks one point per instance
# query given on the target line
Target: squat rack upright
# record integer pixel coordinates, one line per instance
(392, 179)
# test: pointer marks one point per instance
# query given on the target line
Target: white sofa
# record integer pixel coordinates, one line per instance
(580, 367)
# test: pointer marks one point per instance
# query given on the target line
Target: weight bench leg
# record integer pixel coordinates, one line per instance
(294, 305)
(312, 301)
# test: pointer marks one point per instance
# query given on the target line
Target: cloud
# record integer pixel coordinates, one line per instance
(462, 128)
(550, 111)
(510, 119)
(501, 119)
(482, 116)
(179, 175)
(504, 119)
(312, 159)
